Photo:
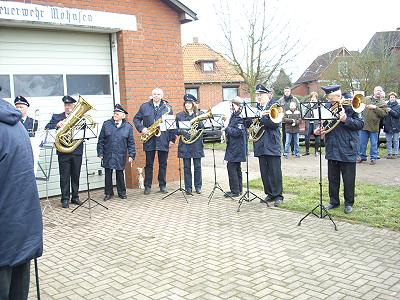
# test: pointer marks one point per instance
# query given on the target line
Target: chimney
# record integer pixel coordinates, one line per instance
(398, 28)
(195, 40)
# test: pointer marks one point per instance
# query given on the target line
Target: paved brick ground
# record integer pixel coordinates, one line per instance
(148, 248)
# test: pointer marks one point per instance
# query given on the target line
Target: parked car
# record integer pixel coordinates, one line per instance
(212, 129)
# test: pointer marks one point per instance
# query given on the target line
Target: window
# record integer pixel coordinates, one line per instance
(5, 86)
(38, 85)
(230, 92)
(208, 66)
(193, 91)
(88, 84)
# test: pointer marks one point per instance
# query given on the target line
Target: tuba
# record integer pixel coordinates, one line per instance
(64, 139)
(356, 104)
(257, 130)
(194, 131)
(154, 129)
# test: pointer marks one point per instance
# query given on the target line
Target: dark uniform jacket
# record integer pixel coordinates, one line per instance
(195, 150)
(342, 143)
(114, 143)
(30, 126)
(391, 123)
(52, 125)
(236, 136)
(145, 117)
(21, 228)
(270, 142)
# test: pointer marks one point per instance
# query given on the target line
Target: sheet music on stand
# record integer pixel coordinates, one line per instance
(168, 122)
(86, 133)
(309, 111)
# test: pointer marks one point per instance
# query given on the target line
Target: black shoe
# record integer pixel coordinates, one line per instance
(64, 204)
(231, 195)
(146, 191)
(278, 202)
(331, 206)
(348, 209)
(307, 153)
(107, 197)
(76, 202)
(163, 190)
(267, 199)
(122, 197)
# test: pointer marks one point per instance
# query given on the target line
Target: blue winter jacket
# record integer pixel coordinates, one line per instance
(145, 117)
(31, 126)
(236, 139)
(195, 150)
(270, 142)
(114, 143)
(391, 122)
(21, 228)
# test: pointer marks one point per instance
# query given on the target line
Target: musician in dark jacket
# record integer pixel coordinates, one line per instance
(268, 148)
(69, 163)
(391, 126)
(341, 146)
(235, 153)
(115, 141)
(21, 228)
(30, 124)
(149, 113)
(193, 151)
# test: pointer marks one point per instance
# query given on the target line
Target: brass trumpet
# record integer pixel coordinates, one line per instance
(356, 103)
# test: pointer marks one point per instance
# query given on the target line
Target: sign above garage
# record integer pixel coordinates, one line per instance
(23, 13)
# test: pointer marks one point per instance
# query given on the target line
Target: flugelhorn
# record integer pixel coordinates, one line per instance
(194, 131)
(256, 129)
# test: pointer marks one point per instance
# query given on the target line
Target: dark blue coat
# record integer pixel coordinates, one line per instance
(53, 125)
(194, 150)
(30, 126)
(114, 143)
(391, 122)
(236, 139)
(21, 228)
(145, 117)
(270, 142)
(342, 143)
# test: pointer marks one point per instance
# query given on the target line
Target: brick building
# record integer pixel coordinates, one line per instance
(107, 51)
(209, 76)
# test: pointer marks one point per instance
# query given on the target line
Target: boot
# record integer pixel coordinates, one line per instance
(307, 149)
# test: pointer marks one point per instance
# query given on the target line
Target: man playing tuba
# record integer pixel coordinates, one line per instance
(69, 163)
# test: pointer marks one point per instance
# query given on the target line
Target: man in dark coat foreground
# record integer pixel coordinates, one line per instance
(21, 228)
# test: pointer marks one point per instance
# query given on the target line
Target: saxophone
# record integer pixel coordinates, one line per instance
(64, 139)
(154, 129)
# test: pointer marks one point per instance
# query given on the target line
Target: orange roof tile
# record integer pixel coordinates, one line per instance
(194, 53)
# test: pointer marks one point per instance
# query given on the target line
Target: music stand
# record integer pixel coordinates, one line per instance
(45, 168)
(85, 134)
(308, 110)
(249, 114)
(219, 121)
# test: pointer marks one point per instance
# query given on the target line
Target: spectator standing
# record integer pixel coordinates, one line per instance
(311, 126)
(292, 121)
(285, 102)
(391, 126)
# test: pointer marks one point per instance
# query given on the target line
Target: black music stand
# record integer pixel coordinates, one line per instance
(45, 169)
(216, 184)
(248, 195)
(308, 111)
(89, 198)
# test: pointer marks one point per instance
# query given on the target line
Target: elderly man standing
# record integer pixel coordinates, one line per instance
(375, 109)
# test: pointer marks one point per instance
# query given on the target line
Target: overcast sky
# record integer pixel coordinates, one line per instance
(322, 26)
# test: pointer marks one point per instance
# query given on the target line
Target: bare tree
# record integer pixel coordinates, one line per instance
(256, 43)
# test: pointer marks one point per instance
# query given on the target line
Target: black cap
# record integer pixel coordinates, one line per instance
(329, 89)
(68, 99)
(260, 89)
(21, 100)
(189, 98)
(119, 108)
(347, 95)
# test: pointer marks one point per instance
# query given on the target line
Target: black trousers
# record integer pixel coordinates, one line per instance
(271, 175)
(14, 282)
(108, 188)
(348, 170)
(235, 177)
(284, 139)
(162, 168)
(70, 171)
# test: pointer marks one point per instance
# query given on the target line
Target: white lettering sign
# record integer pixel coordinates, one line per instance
(17, 11)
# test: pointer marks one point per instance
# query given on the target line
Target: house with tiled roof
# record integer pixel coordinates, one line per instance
(322, 71)
(209, 76)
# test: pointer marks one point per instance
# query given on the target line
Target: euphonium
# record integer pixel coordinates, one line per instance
(194, 131)
(153, 129)
(256, 129)
(64, 139)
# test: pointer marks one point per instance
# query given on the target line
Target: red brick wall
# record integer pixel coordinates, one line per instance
(305, 89)
(149, 57)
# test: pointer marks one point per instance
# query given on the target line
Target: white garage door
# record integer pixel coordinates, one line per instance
(44, 65)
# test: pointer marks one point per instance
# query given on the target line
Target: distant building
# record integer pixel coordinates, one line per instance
(209, 76)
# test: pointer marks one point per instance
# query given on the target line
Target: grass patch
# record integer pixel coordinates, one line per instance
(375, 205)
